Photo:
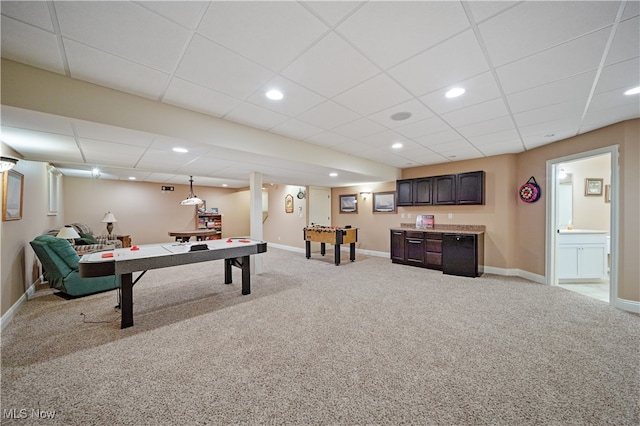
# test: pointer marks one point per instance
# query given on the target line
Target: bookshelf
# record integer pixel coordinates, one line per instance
(210, 221)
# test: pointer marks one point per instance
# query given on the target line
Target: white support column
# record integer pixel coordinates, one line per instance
(255, 217)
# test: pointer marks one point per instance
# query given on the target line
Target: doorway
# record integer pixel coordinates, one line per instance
(582, 223)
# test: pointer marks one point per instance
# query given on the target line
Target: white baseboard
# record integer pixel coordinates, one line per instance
(627, 305)
(8, 316)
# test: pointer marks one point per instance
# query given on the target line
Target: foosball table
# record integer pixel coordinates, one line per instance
(331, 235)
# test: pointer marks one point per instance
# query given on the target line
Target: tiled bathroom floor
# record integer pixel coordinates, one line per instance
(599, 290)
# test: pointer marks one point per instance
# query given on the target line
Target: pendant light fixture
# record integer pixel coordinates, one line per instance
(192, 199)
(7, 163)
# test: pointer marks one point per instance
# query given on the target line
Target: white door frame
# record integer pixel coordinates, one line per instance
(552, 226)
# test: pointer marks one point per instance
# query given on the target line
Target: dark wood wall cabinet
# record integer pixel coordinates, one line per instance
(454, 254)
(462, 188)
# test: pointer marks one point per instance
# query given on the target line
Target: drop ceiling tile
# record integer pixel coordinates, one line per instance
(34, 120)
(140, 35)
(375, 94)
(623, 75)
(551, 130)
(211, 65)
(34, 13)
(631, 9)
(255, 116)
(167, 143)
(480, 88)
(601, 118)
(109, 153)
(438, 138)
(504, 147)
(459, 145)
(296, 129)
(456, 59)
(160, 160)
(359, 128)
(328, 139)
(383, 139)
(297, 99)
(573, 108)
(553, 93)
(494, 137)
(482, 10)
(612, 99)
(423, 127)
(560, 62)
(351, 147)
(328, 115)
(269, 33)
(626, 43)
(204, 166)
(188, 95)
(390, 32)
(531, 27)
(504, 123)
(102, 68)
(30, 45)
(184, 13)
(331, 12)
(416, 108)
(98, 131)
(41, 146)
(476, 113)
(422, 156)
(317, 68)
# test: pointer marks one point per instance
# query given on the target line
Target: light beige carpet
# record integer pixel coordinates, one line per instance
(367, 342)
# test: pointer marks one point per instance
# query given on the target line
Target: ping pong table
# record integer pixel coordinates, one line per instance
(126, 261)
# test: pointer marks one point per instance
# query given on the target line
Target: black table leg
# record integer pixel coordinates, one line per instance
(242, 263)
(323, 249)
(246, 275)
(336, 256)
(352, 251)
(126, 304)
(307, 247)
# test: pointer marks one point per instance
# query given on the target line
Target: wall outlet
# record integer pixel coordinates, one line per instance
(408, 215)
(401, 215)
(450, 215)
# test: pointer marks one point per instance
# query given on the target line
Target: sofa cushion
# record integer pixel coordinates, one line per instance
(87, 239)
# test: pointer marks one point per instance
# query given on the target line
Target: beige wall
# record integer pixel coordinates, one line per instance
(515, 230)
(147, 213)
(281, 227)
(590, 212)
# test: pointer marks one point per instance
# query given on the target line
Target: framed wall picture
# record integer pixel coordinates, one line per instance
(349, 203)
(288, 203)
(593, 187)
(384, 202)
(13, 187)
(201, 208)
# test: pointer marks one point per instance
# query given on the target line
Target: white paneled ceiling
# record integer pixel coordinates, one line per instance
(534, 73)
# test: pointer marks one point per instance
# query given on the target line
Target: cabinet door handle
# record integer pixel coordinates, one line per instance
(415, 241)
(398, 233)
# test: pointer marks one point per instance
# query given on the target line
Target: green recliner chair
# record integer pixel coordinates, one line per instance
(60, 264)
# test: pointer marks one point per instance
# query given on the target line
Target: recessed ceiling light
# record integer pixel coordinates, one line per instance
(399, 116)
(396, 145)
(633, 91)
(274, 95)
(178, 149)
(333, 174)
(550, 135)
(132, 178)
(225, 185)
(455, 92)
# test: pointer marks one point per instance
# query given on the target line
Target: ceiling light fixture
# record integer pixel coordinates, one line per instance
(192, 199)
(396, 145)
(7, 163)
(400, 116)
(633, 91)
(95, 173)
(455, 92)
(274, 95)
(181, 150)
(333, 174)
(132, 178)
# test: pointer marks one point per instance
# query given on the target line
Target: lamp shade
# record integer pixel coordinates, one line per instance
(109, 218)
(7, 163)
(68, 233)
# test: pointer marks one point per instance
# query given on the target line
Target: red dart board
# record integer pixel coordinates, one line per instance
(530, 191)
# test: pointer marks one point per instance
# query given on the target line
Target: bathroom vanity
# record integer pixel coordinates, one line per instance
(582, 255)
